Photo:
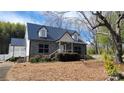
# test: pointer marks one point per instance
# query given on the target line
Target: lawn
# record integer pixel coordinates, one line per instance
(70, 71)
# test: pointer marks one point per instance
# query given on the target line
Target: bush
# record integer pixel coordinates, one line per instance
(34, 60)
(91, 50)
(87, 57)
(68, 57)
(107, 57)
(109, 65)
(13, 59)
(38, 59)
(111, 69)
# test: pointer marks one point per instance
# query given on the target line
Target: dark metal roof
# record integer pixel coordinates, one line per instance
(53, 33)
(17, 42)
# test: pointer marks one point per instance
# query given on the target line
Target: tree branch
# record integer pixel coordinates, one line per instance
(120, 18)
(100, 24)
(103, 33)
(86, 18)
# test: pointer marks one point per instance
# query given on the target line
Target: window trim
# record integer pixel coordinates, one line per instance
(75, 36)
(43, 48)
(42, 32)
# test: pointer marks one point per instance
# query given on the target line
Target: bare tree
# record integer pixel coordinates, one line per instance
(54, 18)
(78, 23)
(114, 29)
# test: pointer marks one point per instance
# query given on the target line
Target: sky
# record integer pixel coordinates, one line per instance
(22, 17)
(36, 17)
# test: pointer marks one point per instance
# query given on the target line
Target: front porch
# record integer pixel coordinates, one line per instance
(69, 47)
(65, 47)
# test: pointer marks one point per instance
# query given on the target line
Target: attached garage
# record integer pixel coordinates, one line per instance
(17, 47)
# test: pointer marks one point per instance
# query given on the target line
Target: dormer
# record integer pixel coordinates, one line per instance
(75, 36)
(42, 32)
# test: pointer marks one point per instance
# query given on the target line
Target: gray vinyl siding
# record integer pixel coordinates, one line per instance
(34, 47)
(53, 46)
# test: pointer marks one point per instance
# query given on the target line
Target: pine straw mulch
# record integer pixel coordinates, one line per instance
(58, 71)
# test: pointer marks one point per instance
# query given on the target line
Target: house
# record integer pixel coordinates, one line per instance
(45, 40)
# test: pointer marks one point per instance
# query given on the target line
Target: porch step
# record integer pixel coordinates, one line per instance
(53, 54)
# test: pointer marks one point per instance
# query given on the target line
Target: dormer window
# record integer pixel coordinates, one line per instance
(42, 32)
(75, 36)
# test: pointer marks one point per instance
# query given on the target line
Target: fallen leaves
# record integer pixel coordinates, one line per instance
(58, 71)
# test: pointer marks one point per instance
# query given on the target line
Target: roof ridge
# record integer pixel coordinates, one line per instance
(53, 27)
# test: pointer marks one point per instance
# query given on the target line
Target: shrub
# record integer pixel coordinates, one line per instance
(87, 57)
(109, 65)
(91, 50)
(13, 59)
(107, 57)
(111, 69)
(67, 56)
(38, 59)
(34, 60)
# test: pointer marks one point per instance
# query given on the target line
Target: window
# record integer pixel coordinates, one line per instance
(43, 48)
(77, 49)
(75, 36)
(43, 32)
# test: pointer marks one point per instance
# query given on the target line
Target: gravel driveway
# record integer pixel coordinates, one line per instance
(4, 68)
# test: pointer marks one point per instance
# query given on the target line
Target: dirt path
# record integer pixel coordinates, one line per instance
(4, 68)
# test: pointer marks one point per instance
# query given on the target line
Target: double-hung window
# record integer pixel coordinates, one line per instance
(43, 48)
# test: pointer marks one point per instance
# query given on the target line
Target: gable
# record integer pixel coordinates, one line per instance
(75, 36)
(66, 38)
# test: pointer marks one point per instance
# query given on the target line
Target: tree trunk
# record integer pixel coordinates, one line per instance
(96, 48)
(118, 45)
(118, 55)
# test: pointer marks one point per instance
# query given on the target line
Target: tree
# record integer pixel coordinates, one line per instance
(59, 19)
(7, 31)
(54, 18)
(104, 19)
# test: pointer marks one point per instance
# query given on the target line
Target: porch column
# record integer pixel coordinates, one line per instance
(13, 51)
(59, 47)
(65, 48)
(72, 47)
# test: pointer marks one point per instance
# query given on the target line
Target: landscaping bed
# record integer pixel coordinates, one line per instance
(62, 71)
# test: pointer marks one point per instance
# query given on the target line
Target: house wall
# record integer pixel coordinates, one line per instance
(53, 46)
(27, 45)
(34, 47)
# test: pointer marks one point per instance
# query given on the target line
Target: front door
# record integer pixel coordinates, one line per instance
(64, 47)
(61, 48)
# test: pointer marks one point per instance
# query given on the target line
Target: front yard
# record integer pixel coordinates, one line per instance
(62, 71)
